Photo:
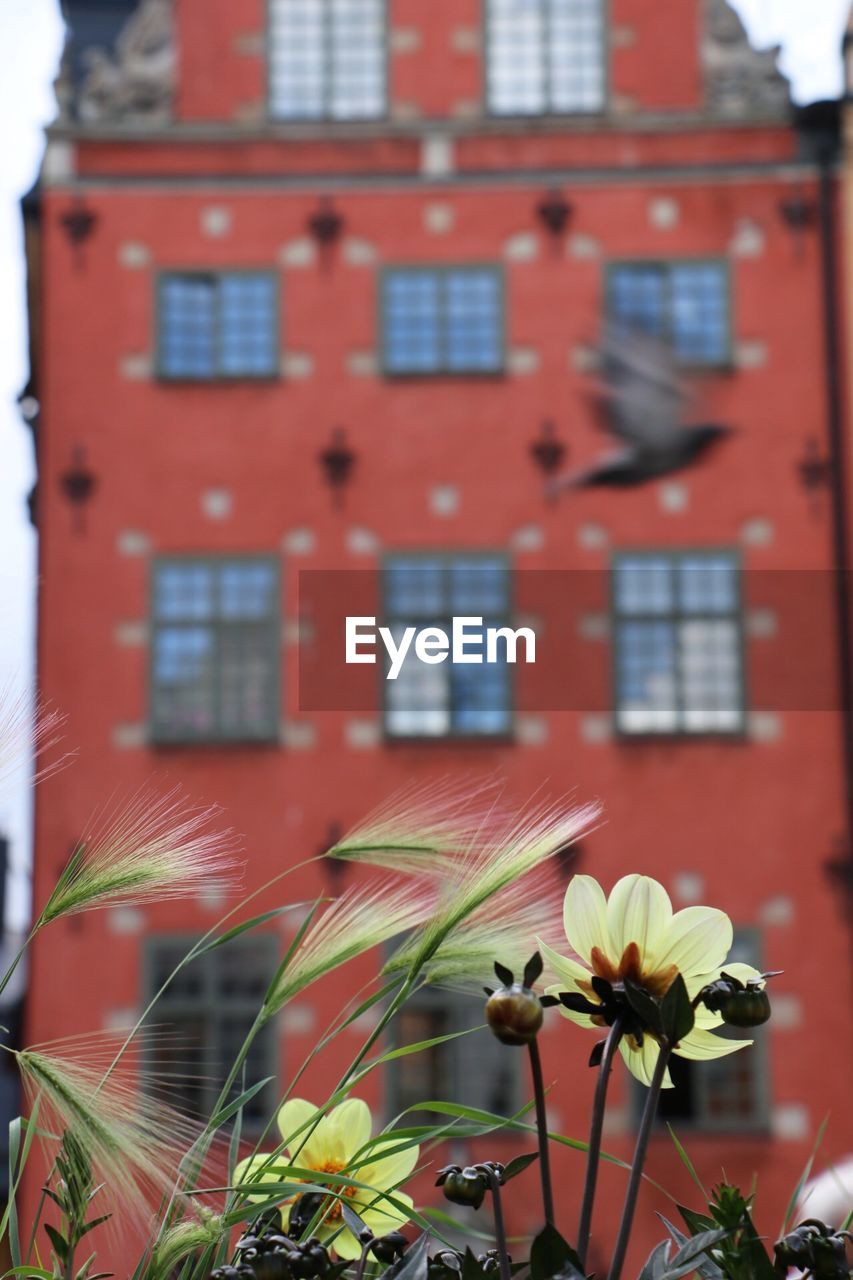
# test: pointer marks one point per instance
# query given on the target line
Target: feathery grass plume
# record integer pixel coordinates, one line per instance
(156, 847)
(504, 851)
(27, 730)
(505, 928)
(176, 1244)
(356, 922)
(422, 826)
(134, 1143)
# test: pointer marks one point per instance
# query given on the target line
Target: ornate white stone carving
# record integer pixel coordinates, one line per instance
(739, 81)
(136, 81)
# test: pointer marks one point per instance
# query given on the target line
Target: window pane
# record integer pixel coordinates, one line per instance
(183, 592)
(637, 297)
(699, 312)
(217, 680)
(247, 325)
(646, 689)
(357, 59)
(516, 57)
(478, 587)
(576, 55)
(643, 585)
(411, 322)
(203, 1018)
(297, 70)
(710, 668)
(327, 59)
(417, 703)
(685, 671)
(184, 690)
(431, 700)
(416, 588)
(473, 321)
(187, 326)
(707, 584)
(247, 590)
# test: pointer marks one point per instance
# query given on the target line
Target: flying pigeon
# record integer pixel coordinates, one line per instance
(641, 400)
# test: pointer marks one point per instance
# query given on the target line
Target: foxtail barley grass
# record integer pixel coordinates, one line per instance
(155, 847)
(486, 849)
(135, 1143)
(27, 732)
(503, 928)
(345, 928)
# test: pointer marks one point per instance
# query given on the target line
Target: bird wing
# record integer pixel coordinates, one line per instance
(640, 394)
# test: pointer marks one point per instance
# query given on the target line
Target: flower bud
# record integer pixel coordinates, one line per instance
(514, 1014)
(463, 1186)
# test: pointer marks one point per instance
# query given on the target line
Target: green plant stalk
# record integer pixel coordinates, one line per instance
(640, 1149)
(542, 1132)
(500, 1228)
(596, 1127)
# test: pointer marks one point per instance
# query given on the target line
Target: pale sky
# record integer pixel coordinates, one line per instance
(809, 32)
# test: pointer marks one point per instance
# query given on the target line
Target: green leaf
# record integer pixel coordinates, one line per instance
(686, 1161)
(225, 1113)
(518, 1165)
(696, 1222)
(689, 1256)
(644, 1005)
(656, 1262)
(355, 1223)
(803, 1178)
(60, 1244)
(707, 1268)
(677, 1015)
(551, 1255)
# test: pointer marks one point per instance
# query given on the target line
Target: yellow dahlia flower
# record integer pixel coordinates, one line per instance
(340, 1143)
(634, 934)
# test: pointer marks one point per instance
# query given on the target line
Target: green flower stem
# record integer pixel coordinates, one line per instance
(500, 1229)
(621, 1246)
(611, 1044)
(542, 1132)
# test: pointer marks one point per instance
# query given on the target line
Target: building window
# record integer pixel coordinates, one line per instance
(684, 303)
(443, 320)
(724, 1093)
(202, 1019)
(678, 638)
(447, 699)
(470, 1070)
(217, 325)
(215, 650)
(545, 56)
(327, 59)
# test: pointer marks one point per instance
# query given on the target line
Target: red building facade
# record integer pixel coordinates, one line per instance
(391, 234)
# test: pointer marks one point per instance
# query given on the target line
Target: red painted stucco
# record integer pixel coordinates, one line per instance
(756, 818)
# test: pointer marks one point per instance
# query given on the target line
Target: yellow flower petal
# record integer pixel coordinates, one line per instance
(638, 910)
(701, 1045)
(582, 1019)
(261, 1169)
(743, 972)
(348, 1129)
(382, 1216)
(698, 939)
(585, 916)
(568, 970)
(385, 1171)
(304, 1145)
(345, 1245)
(642, 1062)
